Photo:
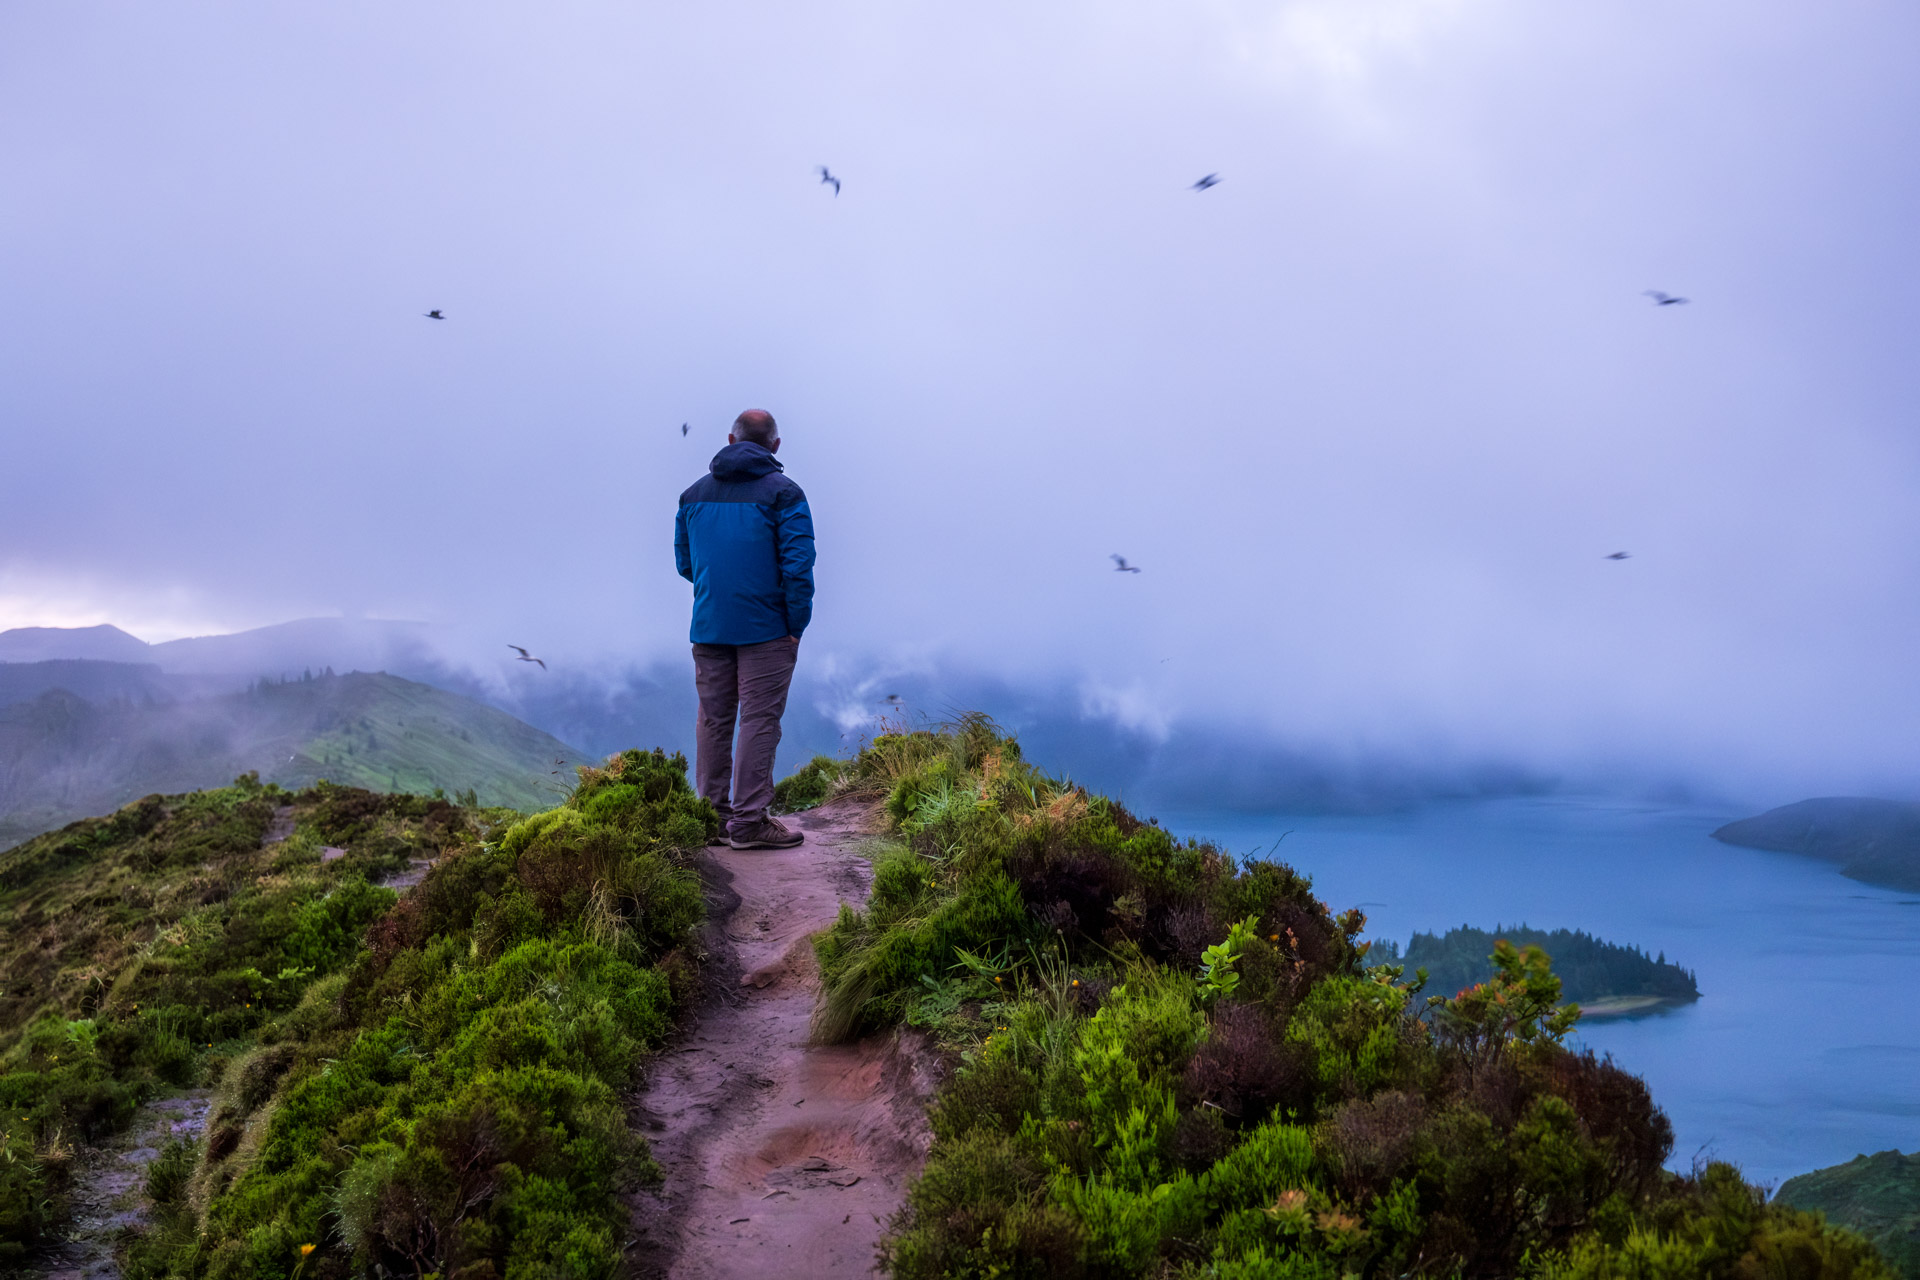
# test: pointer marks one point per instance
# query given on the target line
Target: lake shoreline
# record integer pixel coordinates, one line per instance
(1613, 1007)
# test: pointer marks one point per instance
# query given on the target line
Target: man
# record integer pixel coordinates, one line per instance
(744, 538)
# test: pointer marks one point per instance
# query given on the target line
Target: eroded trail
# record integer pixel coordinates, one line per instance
(781, 1157)
(109, 1183)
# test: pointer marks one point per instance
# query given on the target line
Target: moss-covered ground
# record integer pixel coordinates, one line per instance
(1173, 1064)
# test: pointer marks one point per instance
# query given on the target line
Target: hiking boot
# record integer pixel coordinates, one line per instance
(767, 833)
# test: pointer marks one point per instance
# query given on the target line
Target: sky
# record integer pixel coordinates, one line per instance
(1369, 413)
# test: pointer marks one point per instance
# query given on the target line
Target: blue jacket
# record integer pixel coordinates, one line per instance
(744, 538)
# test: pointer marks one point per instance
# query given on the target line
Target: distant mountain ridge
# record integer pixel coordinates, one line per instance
(103, 643)
(1876, 841)
(281, 650)
(64, 756)
(97, 680)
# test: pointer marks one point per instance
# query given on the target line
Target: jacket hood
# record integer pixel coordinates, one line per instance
(743, 461)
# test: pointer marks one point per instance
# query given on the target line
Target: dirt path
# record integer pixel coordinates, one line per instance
(781, 1158)
(110, 1178)
(109, 1185)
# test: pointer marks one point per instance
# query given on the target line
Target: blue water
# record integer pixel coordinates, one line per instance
(1804, 1048)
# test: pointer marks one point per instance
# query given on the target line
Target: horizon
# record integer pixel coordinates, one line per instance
(1184, 767)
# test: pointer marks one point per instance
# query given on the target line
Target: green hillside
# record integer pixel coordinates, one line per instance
(1877, 1195)
(392, 1078)
(63, 756)
(388, 734)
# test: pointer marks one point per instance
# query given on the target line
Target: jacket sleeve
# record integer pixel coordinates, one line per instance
(682, 551)
(794, 535)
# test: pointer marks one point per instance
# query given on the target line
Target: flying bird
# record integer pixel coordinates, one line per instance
(1211, 180)
(826, 177)
(525, 656)
(1663, 299)
(683, 430)
(435, 314)
(1121, 565)
(1618, 555)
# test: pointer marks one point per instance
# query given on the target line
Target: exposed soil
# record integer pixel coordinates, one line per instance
(280, 830)
(400, 881)
(781, 1157)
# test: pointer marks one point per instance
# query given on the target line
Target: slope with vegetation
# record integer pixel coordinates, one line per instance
(63, 755)
(422, 1085)
(1598, 976)
(144, 952)
(1173, 1064)
(1876, 1195)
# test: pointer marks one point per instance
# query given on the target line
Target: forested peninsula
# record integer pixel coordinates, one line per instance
(1874, 841)
(1603, 978)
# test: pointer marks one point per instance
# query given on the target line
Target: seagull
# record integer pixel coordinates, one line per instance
(1121, 565)
(683, 430)
(525, 656)
(434, 314)
(893, 699)
(1211, 180)
(1663, 299)
(827, 177)
(1618, 555)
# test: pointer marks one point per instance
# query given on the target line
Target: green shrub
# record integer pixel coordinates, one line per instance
(807, 786)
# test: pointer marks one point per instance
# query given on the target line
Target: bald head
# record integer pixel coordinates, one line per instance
(757, 426)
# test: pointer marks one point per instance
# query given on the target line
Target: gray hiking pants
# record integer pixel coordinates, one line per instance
(748, 680)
